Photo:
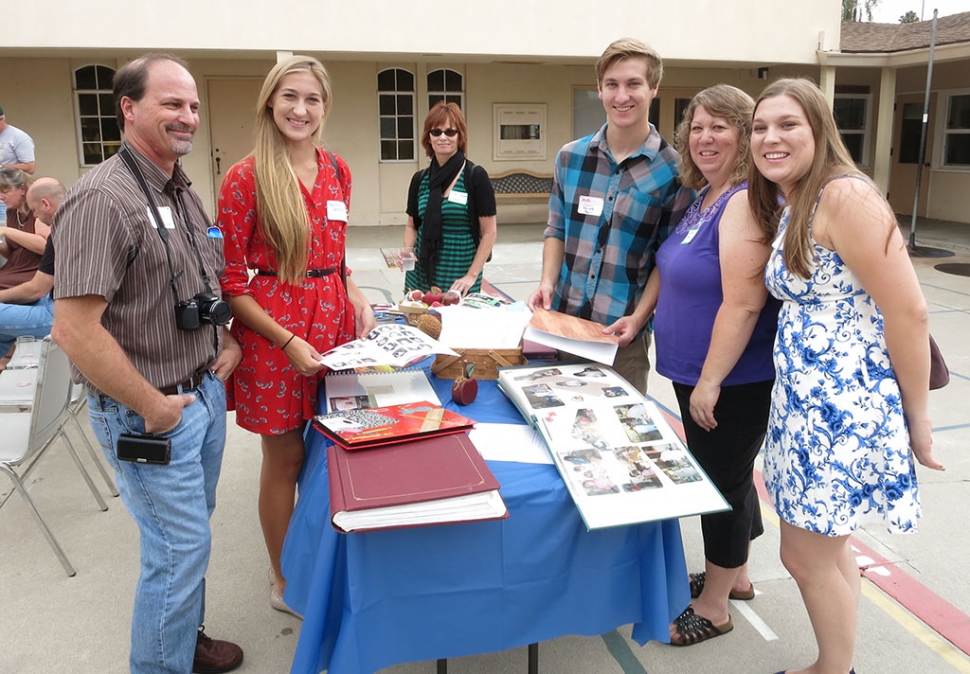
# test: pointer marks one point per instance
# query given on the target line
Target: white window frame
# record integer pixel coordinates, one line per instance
(941, 132)
(865, 132)
(79, 135)
(414, 117)
(460, 95)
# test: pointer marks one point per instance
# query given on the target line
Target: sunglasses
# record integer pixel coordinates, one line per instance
(451, 133)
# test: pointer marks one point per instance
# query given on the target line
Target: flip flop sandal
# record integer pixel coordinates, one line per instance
(693, 629)
(697, 581)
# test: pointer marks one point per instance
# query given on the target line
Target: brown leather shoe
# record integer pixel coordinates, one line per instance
(213, 656)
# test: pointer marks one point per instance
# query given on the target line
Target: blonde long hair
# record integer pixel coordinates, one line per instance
(831, 159)
(281, 212)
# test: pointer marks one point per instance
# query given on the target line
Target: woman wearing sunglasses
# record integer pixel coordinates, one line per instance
(451, 209)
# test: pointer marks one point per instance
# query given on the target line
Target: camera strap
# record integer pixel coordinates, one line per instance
(129, 160)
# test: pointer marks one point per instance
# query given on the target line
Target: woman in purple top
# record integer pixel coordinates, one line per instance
(714, 332)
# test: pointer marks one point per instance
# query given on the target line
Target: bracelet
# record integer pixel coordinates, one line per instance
(283, 348)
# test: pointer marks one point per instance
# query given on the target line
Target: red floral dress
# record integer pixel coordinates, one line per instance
(268, 395)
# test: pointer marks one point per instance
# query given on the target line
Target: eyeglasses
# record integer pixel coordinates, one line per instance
(451, 133)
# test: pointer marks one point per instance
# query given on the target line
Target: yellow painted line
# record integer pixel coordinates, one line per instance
(953, 656)
(943, 648)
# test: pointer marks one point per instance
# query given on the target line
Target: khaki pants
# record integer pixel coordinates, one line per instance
(632, 362)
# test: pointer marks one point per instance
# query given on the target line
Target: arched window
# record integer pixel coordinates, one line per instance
(395, 100)
(446, 85)
(98, 134)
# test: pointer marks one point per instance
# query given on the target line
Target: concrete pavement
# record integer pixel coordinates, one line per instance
(53, 624)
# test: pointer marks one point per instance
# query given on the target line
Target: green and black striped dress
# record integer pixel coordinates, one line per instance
(459, 248)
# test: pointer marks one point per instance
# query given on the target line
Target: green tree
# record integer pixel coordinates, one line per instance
(855, 10)
(909, 17)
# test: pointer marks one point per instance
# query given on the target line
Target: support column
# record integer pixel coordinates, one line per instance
(881, 156)
(826, 82)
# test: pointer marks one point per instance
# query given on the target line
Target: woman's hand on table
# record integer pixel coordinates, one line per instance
(464, 284)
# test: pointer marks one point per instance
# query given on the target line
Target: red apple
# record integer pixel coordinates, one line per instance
(435, 304)
(451, 297)
(464, 391)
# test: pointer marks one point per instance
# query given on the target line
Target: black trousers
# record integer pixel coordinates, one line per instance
(727, 455)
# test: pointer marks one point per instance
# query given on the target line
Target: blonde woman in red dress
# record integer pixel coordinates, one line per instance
(283, 213)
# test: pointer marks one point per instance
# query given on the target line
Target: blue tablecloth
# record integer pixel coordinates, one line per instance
(372, 600)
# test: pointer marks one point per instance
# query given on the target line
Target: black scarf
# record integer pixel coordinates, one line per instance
(432, 240)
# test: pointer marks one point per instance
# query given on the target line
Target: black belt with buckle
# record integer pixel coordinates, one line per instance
(310, 273)
(193, 382)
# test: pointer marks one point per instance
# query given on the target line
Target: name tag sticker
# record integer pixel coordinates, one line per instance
(337, 210)
(456, 197)
(167, 219)
(591, 206)
(691, 233)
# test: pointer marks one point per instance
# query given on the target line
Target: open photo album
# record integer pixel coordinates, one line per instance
(618, 456)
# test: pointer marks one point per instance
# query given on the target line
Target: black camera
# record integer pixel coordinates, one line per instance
(203, 308)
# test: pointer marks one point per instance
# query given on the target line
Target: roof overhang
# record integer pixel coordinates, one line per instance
(901, 59)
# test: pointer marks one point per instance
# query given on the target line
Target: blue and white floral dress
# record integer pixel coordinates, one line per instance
(837, 453)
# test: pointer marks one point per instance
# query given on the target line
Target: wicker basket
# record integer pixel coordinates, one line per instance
(486, 362)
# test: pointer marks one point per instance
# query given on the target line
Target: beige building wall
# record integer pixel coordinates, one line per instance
(567, 29)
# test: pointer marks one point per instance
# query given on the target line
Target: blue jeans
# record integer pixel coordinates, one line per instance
(25, 319)
(171, 505)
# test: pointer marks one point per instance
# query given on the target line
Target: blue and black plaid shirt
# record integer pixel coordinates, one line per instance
(609, 256)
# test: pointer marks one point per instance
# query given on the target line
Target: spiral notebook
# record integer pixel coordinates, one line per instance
(354, 391)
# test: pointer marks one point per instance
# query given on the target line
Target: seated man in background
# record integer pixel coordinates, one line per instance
(28, 309)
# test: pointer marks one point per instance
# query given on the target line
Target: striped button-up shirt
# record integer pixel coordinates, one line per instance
(107, 246)
(612, 218)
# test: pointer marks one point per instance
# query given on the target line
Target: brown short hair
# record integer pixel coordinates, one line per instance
(629, 48)
(132, 78)
(732, 105)
(444, 113)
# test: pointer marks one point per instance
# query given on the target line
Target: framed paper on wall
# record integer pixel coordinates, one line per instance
(519, 131)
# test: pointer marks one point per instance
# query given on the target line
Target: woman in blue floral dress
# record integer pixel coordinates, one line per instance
(849, 406)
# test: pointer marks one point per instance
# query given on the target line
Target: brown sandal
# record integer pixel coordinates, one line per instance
(693, 629)
(697, 581)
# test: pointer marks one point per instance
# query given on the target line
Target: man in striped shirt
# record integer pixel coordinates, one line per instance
(133, 241)
(615, 197)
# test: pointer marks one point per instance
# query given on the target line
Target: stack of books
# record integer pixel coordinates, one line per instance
(405, 465)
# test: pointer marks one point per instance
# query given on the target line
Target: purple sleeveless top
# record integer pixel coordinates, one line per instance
(690, 296)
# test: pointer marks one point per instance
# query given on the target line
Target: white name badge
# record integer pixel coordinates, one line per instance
(460, 198)
(590, 206)
(337, 210)
(167, 219)
(691, 233)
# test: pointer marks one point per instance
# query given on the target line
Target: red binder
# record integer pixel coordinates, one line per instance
(437, 480)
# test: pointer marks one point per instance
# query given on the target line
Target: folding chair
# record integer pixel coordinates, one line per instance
(28, 435)
(78, 401)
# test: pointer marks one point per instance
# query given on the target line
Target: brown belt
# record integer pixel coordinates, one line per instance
(310, 273)
(193, 382)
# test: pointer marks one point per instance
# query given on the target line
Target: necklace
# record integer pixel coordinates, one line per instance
(20, 224)
(696, 216)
